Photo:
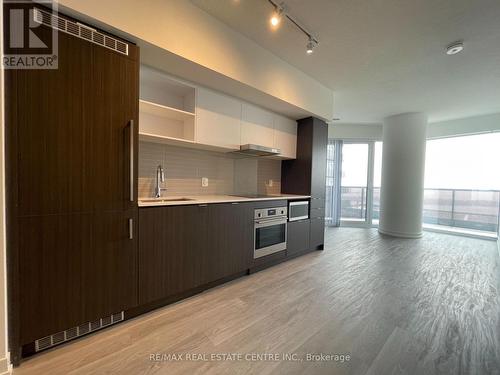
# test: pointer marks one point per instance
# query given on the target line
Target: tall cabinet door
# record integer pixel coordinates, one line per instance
(114, 127)
(318, 167)
(48, 133)
(71, 139)
(109, 265)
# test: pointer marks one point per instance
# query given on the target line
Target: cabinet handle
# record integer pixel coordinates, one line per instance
(130, 229)
(131, 138)
(202, 205)
(235, 202)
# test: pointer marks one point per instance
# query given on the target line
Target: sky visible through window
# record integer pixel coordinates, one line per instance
(468, 162)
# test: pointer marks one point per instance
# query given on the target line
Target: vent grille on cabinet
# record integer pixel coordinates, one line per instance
(74, 332)
(79, 30)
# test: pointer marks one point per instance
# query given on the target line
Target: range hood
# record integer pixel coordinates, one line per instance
(256, 150)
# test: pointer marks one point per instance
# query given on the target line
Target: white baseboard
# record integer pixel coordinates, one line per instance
(400, 234)
(5, 366)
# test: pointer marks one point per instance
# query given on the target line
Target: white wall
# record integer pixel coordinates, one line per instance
(451, 128)
(355, 131)
(180, 28)
(4, 357)
(464, 126)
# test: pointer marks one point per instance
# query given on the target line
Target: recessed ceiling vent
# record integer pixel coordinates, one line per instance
(74, 332)
(79, 30)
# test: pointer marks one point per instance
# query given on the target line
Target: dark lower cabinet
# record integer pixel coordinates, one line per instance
(109, 282)
(298, 238)
(72, 269)
(183, 247)
(317, 236)
(230, 240)
(172, 241)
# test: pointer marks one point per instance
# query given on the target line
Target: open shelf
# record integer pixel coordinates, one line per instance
(164, 111)
(166, 108)
(147, 137)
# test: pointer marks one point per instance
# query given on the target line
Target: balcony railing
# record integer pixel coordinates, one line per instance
(458, 208)
(461, 208)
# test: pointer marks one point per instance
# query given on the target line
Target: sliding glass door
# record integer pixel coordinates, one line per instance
(358, 167)
(354, 183)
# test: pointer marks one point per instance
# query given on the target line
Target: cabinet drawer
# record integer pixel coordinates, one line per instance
(317, 234)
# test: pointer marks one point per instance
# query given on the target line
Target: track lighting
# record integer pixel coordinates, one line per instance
(281, 12)
(277, 14)
(310, 46)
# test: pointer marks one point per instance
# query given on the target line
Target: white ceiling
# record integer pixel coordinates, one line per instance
(383, 57)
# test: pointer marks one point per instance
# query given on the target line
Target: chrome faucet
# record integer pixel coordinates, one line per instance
(160, 177)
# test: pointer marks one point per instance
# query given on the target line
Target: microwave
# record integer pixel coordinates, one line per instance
(298, 210)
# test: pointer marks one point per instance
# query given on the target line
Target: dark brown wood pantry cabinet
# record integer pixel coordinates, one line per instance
(71, 145)
(307, 174)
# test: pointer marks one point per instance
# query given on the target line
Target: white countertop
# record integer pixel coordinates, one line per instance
(207, 199)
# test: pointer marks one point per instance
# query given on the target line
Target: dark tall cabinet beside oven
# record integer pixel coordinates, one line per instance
(307, 174)
(71, 145)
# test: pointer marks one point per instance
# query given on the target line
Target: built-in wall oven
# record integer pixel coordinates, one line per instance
(298, 210)
(269, 231)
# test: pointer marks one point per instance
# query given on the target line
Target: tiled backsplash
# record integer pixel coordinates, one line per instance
(184, 168)
(268, 176)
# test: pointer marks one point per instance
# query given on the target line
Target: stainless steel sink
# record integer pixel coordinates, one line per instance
(160, 200)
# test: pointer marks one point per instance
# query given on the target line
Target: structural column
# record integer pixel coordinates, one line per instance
(403, 168)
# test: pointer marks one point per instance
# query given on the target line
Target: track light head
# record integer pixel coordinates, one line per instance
(279, 10)
(310, 45)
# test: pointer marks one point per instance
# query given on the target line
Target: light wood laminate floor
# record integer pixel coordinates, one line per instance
(426, 306)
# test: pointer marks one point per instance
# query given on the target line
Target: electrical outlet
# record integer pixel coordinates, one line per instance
(270, 183)
(204, 181)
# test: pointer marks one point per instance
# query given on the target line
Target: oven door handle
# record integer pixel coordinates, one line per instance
(262, 223)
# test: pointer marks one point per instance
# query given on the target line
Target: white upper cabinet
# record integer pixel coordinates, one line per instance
(285, 136)
(172, 111)
(257, 126)
(218, 120)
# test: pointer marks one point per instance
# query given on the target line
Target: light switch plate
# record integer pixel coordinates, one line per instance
(204, 181)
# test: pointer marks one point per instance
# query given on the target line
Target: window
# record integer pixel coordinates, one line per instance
(462, 183)
(377, 182)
